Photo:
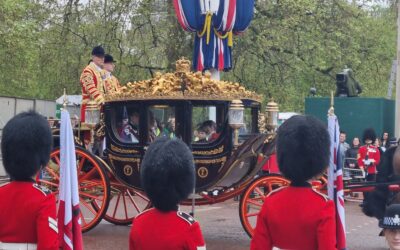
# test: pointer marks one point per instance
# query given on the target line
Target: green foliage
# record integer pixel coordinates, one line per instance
(291, 45)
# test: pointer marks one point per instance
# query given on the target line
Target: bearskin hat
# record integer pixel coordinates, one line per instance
(25, 145)
(108, 59)
(303, 148)
(98, 51)
(370, 134)
(167, 173)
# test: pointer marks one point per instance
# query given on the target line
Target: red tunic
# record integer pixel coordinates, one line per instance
(154, 229)
(295, 218)
(92, 87)
(28, 215)
(373, 153)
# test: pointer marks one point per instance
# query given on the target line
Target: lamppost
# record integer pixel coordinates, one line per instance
(272, 113)
(236, 119)
(92, 117)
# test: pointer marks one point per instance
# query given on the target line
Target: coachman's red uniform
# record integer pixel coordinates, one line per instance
(173, 230)
(373, 153)
(295, 218)
(27, 215)
(92, 87)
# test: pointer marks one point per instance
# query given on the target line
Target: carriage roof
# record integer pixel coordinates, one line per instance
(182, 85)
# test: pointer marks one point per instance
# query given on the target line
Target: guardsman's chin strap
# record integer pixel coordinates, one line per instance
(193, 202)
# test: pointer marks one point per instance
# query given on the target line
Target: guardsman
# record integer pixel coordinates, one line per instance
(369, 155)
(92, 80)
(27, 210)
(298, 217)
(168, 177)
(111, 83)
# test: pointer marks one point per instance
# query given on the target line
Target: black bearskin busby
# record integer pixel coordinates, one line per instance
(369, 134)
(303, 148)
(25, 145)
(389, 171)
(167, 173)
(109, 59)
(98, 51)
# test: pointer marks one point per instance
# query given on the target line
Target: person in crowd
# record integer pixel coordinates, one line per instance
(111, 83)
(389, 171)
(351, 154)
(390, 223)
(344, 146)
(369, 155)
(27, 210)
(378, 144)
(385, 140)
(168, 177)
(393, 142)
(308, 220)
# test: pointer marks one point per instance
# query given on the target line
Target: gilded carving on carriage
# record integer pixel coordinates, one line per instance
(123, 151)
(210, 152)
(182, 84)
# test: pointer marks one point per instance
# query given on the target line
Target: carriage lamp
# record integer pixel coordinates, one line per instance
(272, 112)
(236, 119)
(92, 117)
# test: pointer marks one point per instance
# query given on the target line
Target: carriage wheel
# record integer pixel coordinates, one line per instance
(253, 197)
(94, 185)
(125, 204)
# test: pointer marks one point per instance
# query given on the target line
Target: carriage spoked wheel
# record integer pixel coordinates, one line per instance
(253, 197)
(125, 204)
(94, 185)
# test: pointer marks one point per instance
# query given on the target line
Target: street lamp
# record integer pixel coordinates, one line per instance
(92, 117)
(236, 119)
(272, 112)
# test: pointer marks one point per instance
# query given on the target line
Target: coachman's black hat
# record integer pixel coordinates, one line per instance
(391, 220)
(98, 51)
(109, 59)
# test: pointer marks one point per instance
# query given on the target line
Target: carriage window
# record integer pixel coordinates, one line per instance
(127, 119)
(161, 122)
(204, 124)
(248, 123)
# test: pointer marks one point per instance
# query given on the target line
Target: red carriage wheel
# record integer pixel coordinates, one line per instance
(125, 204)
(94, 185)
(253, 197)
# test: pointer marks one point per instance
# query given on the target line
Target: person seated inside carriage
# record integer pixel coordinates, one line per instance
(169, 130)
(298, 212)
(27, 210)
(211, 129)
(168, 177)
(126, 131)
(201, 135)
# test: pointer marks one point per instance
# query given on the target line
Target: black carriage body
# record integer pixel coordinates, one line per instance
(217, 164)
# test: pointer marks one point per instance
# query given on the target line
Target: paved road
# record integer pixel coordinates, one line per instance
(222, 230)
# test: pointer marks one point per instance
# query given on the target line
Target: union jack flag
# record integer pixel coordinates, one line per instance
(335, 181)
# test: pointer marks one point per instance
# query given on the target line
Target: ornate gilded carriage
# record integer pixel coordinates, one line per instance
(181, 105)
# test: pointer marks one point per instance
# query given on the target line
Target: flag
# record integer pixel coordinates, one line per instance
(69, 228)
(335, 181)
(215, 22)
